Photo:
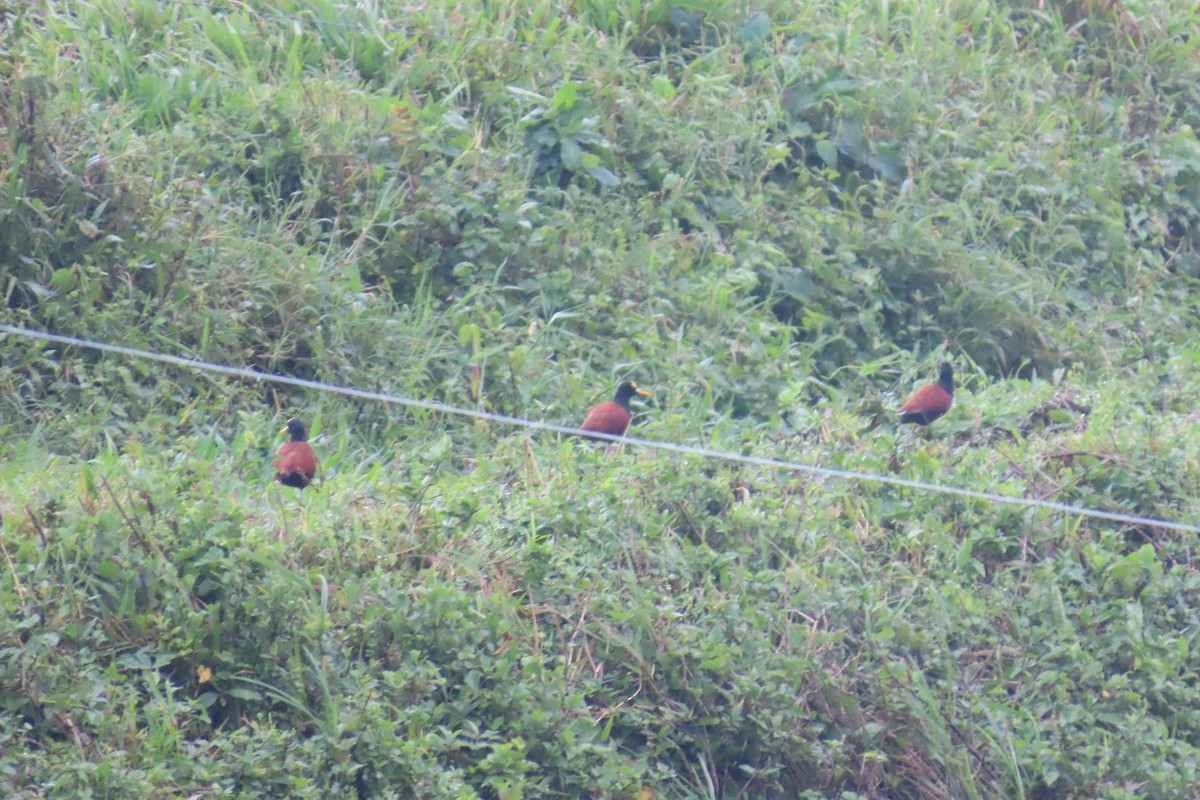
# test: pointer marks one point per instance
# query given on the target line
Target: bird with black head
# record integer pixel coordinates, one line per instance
(930, 402)
(614, 416)
(296, 463)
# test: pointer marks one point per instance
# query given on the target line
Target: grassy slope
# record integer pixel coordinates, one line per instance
(815, 203)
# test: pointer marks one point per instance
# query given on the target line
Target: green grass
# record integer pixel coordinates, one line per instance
(777, 217)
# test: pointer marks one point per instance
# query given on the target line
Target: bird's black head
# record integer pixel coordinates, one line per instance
(295, 430)
(946, 377)
(626, 391)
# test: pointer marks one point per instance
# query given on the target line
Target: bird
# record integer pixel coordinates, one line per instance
(613, 417)
(297, 463)
(930, 402)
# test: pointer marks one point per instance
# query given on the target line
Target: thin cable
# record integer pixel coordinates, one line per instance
(683, 449)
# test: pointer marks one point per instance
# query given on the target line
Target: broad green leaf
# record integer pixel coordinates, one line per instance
(755, 28)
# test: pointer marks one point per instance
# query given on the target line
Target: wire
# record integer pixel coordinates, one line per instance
(671, 447)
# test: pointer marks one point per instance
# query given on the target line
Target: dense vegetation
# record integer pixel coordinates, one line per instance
(778, 217)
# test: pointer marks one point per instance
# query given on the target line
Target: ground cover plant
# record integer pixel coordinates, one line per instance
(777, 217)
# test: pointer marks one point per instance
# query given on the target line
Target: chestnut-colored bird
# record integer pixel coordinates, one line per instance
(297, 463)
(613, 417)
(930, 402)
